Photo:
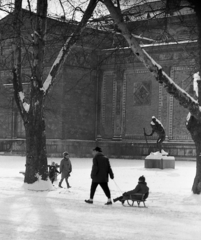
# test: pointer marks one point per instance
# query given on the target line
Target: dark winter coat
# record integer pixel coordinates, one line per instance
(53, 171)
(101, 169)
(65, 167)
(140, 188)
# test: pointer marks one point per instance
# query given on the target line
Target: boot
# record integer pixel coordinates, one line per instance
(117, 199)
(89, 201)
(60, 185)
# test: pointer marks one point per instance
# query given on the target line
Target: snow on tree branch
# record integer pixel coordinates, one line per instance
(152, 60)
(171, 87)
(24, 104)
(18, 93)
(65, 50)
(49, 80)
(196, 77)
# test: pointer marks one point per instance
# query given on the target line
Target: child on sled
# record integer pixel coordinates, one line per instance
(140, 189)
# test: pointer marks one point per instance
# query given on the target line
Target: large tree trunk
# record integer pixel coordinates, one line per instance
(194, 127)
(36, 155)
(32, 111)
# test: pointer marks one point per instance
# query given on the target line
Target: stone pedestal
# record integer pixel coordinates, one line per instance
(159, 160)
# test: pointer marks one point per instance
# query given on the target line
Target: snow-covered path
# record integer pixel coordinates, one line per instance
(173, 211)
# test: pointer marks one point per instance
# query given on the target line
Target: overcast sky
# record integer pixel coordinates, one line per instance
(55, 9)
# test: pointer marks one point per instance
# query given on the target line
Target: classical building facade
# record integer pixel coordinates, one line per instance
(106, 97)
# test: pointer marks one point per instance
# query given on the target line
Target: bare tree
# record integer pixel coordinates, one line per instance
(32, 112)
(194, 123)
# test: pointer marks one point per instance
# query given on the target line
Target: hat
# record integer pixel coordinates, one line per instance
(65, 154)
(97, 149)
(142, 179)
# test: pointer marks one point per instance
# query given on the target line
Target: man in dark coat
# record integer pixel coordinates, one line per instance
(100, 170)
(140, 188)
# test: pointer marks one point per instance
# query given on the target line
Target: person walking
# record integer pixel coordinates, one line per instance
(99, 174)
(65, 169)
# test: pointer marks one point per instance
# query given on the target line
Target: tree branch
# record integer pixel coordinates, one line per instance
(39, 44)
(65, 50)
(171, 87)
(17, 81)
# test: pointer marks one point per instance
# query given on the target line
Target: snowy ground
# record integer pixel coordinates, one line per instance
(173, 211)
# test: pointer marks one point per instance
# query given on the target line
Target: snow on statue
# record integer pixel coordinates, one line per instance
(157, 127)
(158, 159)
(196, 78)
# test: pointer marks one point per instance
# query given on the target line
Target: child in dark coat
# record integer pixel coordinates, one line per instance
(140, 188)
(53, 172)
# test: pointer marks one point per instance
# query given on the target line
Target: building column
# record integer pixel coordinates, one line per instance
(98, 136)
(118, 121)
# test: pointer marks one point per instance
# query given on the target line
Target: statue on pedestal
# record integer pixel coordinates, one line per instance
(157, 128)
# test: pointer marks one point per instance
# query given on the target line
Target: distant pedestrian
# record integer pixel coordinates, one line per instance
(100, 170)
(53, 172)
(65, 169)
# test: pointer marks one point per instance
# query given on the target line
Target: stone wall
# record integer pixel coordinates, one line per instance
(129, 95)
(113, 149)
(69, 109)
(79, 104)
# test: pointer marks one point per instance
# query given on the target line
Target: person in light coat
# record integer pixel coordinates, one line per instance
(65, 169)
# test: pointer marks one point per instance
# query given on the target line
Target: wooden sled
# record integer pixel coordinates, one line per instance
(137, 197)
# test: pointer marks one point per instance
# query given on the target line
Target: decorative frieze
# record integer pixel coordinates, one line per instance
(142, 93)
(118, 123)
(108, 102)
(176, 113)
(140, 102)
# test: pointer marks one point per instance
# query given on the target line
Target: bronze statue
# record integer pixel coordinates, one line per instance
(157, 128)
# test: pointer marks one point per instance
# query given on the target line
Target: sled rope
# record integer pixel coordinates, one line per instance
(117, 186)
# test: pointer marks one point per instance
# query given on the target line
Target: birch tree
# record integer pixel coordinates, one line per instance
(32, 112)
(185, 100)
